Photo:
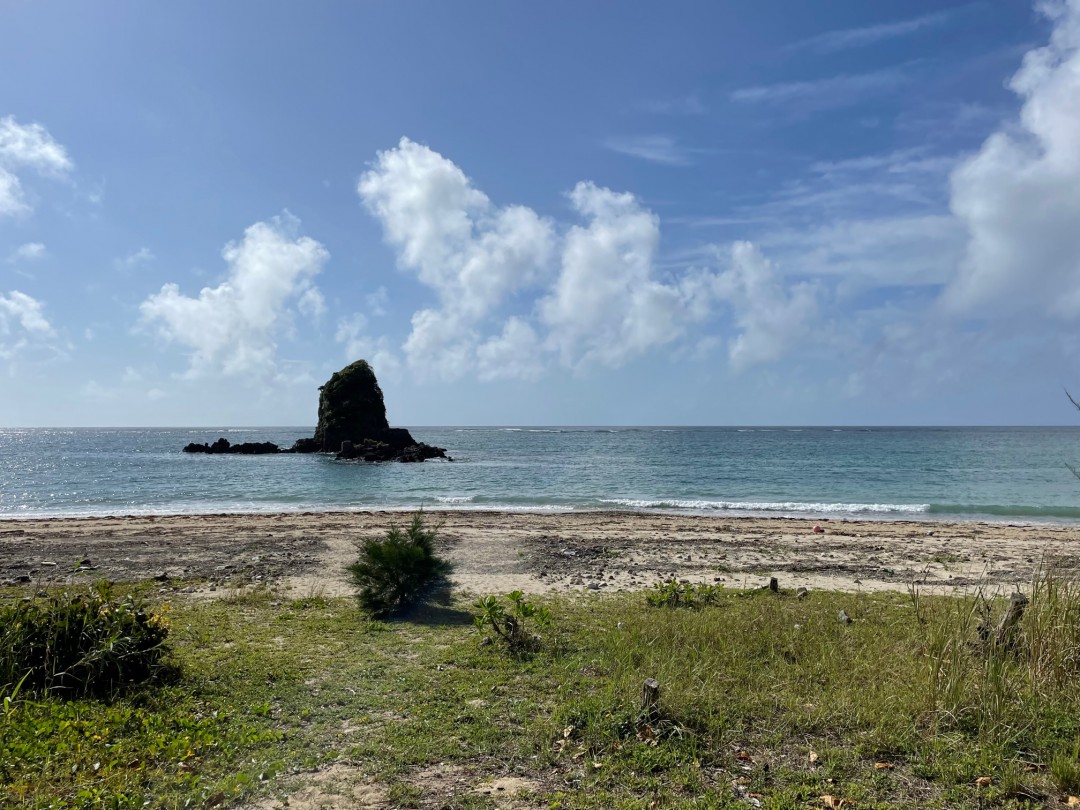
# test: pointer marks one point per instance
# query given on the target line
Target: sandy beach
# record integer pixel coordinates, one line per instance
(495, 552)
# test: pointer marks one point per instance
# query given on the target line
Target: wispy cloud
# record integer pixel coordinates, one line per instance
(845, 38)
(134, 259)
(662, 149)
(685, 105)
(900, 161)
(31, 251)
(833, 91)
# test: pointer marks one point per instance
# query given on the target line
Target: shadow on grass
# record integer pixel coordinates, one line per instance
(436, 609)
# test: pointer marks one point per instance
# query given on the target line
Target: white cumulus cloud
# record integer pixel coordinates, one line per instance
(232, 329)
(772, 319)
(517, 294)
(447, 231)
(513, 354)
(606, 307)
(22, 324)
(473, 254)
(1019, 196)
(26, 147)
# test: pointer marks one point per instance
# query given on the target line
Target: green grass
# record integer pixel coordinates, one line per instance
(272, 689)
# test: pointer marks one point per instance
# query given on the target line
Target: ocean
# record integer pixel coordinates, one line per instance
(1004, 474)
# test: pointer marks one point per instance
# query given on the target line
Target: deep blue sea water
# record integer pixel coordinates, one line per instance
(1015, 474)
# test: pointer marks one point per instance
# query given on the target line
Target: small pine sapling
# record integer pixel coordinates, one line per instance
(394, 572)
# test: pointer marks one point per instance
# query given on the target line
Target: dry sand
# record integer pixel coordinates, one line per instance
(498, 552)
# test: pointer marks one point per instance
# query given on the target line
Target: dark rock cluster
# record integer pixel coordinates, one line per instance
(224, 446)
(352, 424)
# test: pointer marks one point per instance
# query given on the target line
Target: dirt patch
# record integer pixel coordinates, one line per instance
(510, 791)
(340, 785)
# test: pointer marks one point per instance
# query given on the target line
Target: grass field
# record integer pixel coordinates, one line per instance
(767, 700)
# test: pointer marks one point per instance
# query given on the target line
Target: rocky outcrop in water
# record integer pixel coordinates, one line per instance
(223, 445)
(352, 422)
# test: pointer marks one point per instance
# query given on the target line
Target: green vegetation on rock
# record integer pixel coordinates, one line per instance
(351, 407)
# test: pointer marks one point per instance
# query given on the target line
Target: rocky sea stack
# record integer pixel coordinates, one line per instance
(352, 424)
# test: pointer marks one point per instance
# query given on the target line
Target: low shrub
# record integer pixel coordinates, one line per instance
(676, 594)
(511, 626)
(395, 571)
(90, 643)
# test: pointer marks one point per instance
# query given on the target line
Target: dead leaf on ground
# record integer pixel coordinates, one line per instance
(813, 757)
(647, 735)
(833, 803)
(1074, 801)
(743, 756)
(984, 781)
(883, 766)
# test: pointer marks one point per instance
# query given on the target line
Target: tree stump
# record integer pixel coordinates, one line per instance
(1005, 634)
(650, 698)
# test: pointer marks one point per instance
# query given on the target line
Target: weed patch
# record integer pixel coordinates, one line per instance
(81, 643)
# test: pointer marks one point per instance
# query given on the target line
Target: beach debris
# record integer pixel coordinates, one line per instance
(568, 552)
(930, 534)
(48, 563)
(802, 593)
(593, 586)
(843, 618)
(818, 530)
(774, 585)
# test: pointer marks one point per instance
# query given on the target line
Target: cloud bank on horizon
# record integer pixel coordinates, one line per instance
(922, 261)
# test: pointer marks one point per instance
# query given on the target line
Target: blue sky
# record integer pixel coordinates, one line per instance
(557, 213)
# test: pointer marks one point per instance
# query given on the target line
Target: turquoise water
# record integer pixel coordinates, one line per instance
(1016, 474)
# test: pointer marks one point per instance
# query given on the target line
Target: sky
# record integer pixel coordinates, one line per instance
(560, 213)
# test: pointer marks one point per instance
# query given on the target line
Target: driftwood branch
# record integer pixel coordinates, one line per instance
(1005, 634)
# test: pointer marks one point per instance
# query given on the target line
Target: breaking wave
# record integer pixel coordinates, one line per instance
(787, 507)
